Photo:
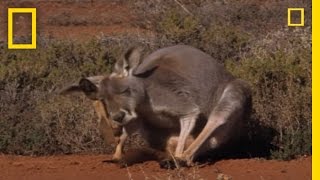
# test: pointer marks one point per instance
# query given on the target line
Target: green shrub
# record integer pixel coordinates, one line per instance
(34, 120)
(178, 27)
(224, 42)
(279, 69)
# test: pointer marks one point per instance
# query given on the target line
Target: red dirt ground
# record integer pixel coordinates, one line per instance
(91, 167)
(84, 20)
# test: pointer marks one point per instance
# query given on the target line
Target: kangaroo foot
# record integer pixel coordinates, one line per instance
(173, 163)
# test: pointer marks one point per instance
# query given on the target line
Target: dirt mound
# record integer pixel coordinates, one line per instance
(91, 167)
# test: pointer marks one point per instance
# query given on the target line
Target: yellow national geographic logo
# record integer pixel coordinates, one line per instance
(301, 10)
(33, 44)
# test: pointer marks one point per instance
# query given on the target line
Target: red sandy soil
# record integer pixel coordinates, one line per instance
(91, 167)
(96, 19)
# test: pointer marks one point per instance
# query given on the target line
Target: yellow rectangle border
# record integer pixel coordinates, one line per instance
(33, 44)
(301, 16)
(315, 90)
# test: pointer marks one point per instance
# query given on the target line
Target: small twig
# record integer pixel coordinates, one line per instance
(184, 8)
(129, 174)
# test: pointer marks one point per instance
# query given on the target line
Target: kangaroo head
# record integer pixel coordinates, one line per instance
(119, 91)
(120, 95)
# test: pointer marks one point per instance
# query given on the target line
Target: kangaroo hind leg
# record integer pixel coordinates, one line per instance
(187, 124)
(228, 112)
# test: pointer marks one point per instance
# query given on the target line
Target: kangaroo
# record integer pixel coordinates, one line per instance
(177, 87)
(113, 132)
(162, 146)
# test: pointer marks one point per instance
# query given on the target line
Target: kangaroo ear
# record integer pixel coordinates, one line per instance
(73, 88)
(90, 86)
(87, 86)
(121, 68)
(146, 67)
(131, 59)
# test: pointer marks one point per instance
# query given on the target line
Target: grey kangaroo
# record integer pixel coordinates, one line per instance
(178, 87)
(115, 133)
(164, 144)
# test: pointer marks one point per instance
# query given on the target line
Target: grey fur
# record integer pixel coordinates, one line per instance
(179, 87)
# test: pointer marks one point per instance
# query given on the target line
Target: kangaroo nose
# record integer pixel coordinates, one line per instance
(119, 117)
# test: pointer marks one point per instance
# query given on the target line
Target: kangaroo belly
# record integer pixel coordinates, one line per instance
(162, 120)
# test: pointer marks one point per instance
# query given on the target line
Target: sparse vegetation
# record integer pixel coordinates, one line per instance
(249, 37)
(279, 69)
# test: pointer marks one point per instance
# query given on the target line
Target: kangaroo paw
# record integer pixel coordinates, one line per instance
(167, 164)
(122, 163)
(173, 163)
